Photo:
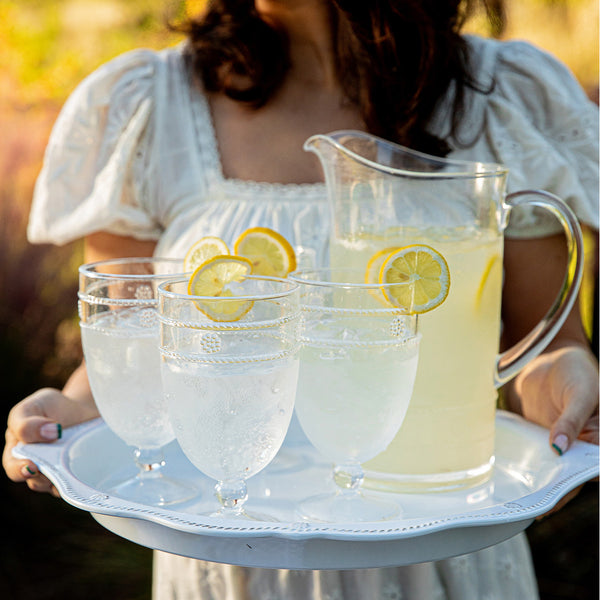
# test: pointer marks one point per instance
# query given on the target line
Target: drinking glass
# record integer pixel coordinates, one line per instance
(230, 385)
(119, 332)
(358, 364)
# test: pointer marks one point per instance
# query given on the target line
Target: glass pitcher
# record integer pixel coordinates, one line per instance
(385, 196)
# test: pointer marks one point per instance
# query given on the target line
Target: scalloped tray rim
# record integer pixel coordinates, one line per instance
(578, 465)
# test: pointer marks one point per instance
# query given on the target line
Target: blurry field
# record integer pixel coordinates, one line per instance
(49, 550)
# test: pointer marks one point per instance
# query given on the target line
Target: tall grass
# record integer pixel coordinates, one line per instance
(38, 344)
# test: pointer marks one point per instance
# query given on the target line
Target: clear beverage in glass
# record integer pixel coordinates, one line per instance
(358, 364)
(231, 385)
(119, 331)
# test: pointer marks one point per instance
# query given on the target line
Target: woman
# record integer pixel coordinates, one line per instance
(155, 150)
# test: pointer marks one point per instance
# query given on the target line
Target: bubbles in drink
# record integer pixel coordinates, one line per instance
(231, 418)
(123, 364)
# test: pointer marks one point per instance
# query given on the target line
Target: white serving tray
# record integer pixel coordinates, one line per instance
(528, 480)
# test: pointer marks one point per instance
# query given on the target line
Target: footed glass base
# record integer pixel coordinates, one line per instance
(156, 490)
(348, 507)
(232, 495)
(150, 485)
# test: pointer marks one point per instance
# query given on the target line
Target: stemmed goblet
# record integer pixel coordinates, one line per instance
(358, 364)
(230, 385)
(119, 332)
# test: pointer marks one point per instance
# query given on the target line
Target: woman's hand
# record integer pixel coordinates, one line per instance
(559, 390)
(40, 418)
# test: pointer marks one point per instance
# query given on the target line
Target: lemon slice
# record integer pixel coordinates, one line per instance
(372, 272)
(426, 273)
(212, 278)
(268, 251)
(491, 275)
(205, 248)
(375, 262)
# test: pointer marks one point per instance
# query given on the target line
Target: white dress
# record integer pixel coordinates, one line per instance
(134, 153)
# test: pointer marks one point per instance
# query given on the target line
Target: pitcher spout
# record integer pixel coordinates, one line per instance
(345, 155)
(389, 158)
(331, 150)
(375, 187)
(343, 146)
(316, 142)
(327, 142)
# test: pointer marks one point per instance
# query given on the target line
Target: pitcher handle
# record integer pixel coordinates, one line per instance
(511, 361)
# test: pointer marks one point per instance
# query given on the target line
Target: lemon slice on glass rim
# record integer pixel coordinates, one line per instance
(373, 269)
(426, 275)
(268, 251)
(375, 262)
(214, 278)
(205, 248)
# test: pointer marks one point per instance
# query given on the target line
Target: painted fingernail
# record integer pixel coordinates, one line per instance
(560, 444)
(51, 431)
(27, 471)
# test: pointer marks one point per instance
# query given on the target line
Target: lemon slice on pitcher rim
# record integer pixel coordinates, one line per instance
(213, 278)
(268, 251)
(205, 248)
(426, 276)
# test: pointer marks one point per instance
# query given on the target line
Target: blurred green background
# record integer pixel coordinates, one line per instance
(48, 549)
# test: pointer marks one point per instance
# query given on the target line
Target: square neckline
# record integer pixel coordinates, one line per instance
(208, 146)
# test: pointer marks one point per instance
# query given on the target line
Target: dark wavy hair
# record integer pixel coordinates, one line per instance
(395, 59)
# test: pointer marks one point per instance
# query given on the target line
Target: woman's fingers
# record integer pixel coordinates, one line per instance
(577, 383)
(30, 421)
(559, 390)
(40, 418)
(40, 483)
(19, 470)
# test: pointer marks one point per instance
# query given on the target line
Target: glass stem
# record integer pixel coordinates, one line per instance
(349, 478)
(232, 495)
(149, 462)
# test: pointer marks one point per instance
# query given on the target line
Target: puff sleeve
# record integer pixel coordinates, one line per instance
(91, 178)
(536, 120)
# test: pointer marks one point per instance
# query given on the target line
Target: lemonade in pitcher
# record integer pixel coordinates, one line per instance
(386, 196)
(450, 416)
